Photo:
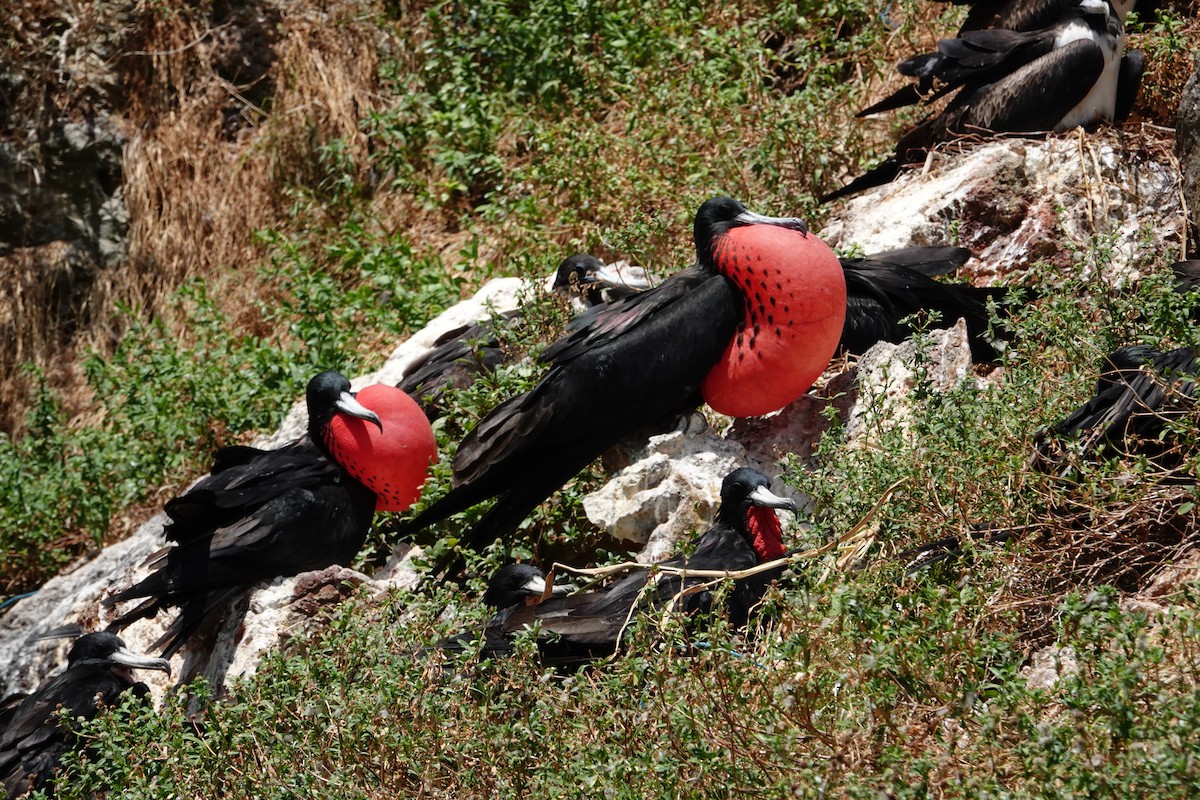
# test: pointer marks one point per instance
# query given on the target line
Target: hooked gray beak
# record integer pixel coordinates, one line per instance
(792, 223)
(127, 658)
(537, 585)
(634, 279)
(762, 496)
(347, 404)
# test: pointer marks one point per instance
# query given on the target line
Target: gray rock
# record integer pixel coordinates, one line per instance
(888, 373)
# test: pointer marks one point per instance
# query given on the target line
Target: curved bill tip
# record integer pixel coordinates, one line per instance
(348, 404)
(127, 658)
(762, 496)
(791, 223)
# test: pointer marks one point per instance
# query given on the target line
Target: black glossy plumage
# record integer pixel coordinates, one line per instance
(624, 367)
(98, 672)
(1021, 15)
(260, 514)
(459, 356)
(1013, 82)
(1139, 393)
(457, 359)
(884, 288)
(580, 628)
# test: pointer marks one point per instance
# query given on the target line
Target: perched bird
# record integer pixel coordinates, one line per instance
(747, 329)
(883, 289)
(1069, 74)
(589, 282)
(99, 671)
(579, 628)
(1140, 392)
(1023, 15)
(262, 514)
(519, 584)
(460, 355)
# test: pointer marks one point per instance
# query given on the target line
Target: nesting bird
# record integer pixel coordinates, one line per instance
(460, 355)
(1140, 392)
(578, 628)
(263, 514)
(99, 671)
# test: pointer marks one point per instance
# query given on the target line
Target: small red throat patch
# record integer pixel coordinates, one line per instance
(794, 291)
(766, 534)
(394, 462)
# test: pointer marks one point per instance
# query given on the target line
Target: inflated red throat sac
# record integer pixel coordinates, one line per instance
(795, 297)
(393, 462)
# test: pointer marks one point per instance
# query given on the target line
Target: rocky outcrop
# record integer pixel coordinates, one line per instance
(1018, 203)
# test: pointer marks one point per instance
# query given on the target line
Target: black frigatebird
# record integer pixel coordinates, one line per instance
(1072, 73)
(263, 514)
(884, 289)
(746, 329)
(460, 355)
(1140, 392)
(578, 628)
(99, 671)
(1023, 15)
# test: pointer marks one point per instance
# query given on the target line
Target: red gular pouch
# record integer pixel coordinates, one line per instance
(393, 462)
(794, 291)
(766, 534)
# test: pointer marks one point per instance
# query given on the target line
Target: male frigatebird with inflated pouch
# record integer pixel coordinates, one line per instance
(263, 514)
(746, 329)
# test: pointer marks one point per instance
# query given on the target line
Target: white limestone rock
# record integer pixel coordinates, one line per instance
(1015, 202)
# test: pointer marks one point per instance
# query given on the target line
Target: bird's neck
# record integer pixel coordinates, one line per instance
(765, 533)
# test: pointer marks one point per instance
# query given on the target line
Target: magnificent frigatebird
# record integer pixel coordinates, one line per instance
(1140, 393)
(578, 628)
(262, 514)
(1023, 15)
(99, 671)
(460, 355)
(1072, 73)
(746, 329)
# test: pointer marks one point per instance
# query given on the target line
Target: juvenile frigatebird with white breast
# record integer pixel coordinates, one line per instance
(1023, 15)
(263, 514)
(746, 329)
(578, 628)
(1073, 73)
(99, 670)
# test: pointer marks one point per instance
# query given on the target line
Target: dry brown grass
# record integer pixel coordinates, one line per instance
(205, 166)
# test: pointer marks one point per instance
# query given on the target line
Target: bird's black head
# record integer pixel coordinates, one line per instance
(105, 648)
(328, 394)
(593, 282)
(747, 505)
(720, 214)
(576, 272)
(517, 583)
(747, 488)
